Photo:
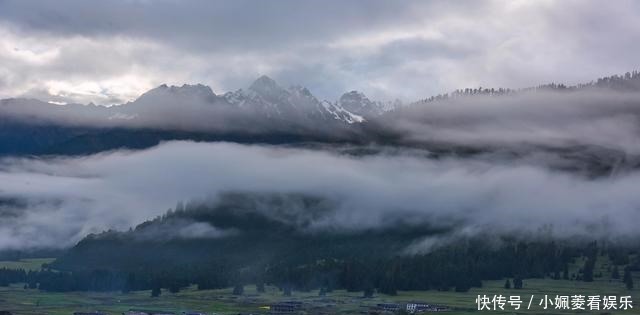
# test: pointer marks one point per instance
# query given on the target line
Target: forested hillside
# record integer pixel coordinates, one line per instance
(257, 239)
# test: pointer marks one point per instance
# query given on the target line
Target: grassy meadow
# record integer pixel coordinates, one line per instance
(20, 301)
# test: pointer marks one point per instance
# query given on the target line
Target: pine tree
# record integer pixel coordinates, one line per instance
(368, 292)
(388, 286)
(517, 282)
(615, 274)
(129, 283)
(589, 265)
(287, 290)
(156, 291)
(238, 289)
(462, 284)
(174, 287)
(628, 279)
(260, 287)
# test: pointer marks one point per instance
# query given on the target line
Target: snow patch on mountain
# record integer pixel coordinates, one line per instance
(357, 103)
(196, 106)
(340, 113)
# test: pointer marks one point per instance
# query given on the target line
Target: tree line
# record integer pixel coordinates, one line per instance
(457, 268)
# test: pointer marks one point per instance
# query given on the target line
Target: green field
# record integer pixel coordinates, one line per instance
(21, 301)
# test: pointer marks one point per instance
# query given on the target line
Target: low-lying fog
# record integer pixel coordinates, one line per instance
(54, 202)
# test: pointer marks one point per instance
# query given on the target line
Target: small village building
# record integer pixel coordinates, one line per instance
(388, 307)
(418, 307)
(287, 307)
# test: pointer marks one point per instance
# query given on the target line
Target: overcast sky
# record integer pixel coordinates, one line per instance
(112, 51)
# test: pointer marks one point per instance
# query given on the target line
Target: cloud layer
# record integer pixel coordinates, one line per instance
(591, 117)
(56, 201)
(110, 52)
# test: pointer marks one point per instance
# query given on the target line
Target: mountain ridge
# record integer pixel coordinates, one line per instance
(263, 99)
(269, 113)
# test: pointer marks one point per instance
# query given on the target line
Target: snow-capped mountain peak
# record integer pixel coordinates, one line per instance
(266, 86)
(339, 113)
(266, 97)
(356, 98)
(264, 103)
(195, 91)
(357, 103)
(301, 91)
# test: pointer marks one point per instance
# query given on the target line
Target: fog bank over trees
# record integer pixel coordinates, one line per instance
(53, 202)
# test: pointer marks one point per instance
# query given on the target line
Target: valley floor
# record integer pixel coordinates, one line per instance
(21, 301)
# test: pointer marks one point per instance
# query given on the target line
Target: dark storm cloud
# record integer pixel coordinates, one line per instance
(215, 24)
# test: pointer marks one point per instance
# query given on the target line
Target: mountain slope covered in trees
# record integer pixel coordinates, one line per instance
(258, 238)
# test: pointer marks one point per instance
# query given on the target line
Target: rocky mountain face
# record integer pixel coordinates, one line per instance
(357, 103)
(264, 112)
(267, 99)
(264, 104)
